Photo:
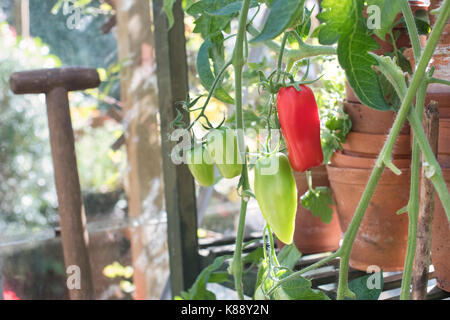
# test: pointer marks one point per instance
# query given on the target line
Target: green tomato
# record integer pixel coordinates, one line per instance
(266, 282)
(200, 165)
(276, 193)
(222, 146)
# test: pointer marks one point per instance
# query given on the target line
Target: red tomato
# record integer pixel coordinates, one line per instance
(300, 126)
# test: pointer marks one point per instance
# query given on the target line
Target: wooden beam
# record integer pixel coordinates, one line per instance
(172, 73)
(144, 183)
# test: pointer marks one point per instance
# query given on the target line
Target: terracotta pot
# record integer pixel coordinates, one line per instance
(368, 120)
(342, 160)
(445, 37)
(403, 41)
(311, 234)
(382, 237)
(435, 91)
(444, 143)
(439, 92)
(440, 249)
(370, 145)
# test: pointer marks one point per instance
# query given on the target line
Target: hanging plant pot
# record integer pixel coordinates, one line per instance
(369, 145)
(368, 120)
(311, 234)
(440, 250)
(382, 237)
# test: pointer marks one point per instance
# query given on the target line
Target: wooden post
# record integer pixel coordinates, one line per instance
(426, 211)
(144, 183)
(21, 13)
(172, 72)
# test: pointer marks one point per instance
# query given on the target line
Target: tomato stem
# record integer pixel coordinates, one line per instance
(413, 203)
(296, 274)
(272, 246)
(210, 94)
(304, 51)
(238, 64)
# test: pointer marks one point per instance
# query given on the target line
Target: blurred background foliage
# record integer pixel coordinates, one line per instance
(27, 194)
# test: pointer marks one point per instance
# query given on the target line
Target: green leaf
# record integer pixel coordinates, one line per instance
(304, 28)
(354, 58)
(232, 8)
(283, 14)
(219, 277)
(388, 12)
(344, 22)
(336, 18)
(289, 256)
(206, 24)
(168, 9)
(318, 201)
(335, 125)
(368, 287)
(422, 20)
(199, 7)
(297, 289)
(339, 123)
(206, 75)
(393, 73)
(254, 256)
(198, 290)
(330, 143)
(262, 273)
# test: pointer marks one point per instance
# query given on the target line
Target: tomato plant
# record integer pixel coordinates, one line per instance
(343, 32)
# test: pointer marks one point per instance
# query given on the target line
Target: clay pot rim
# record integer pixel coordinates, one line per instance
(446, 173)
(444, 122)
(368, 162)
(362, 104)
(360, 176)
(359, 146)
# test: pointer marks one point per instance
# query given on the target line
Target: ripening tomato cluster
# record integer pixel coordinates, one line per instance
(221, 150)
(277, 193)
(275, 188)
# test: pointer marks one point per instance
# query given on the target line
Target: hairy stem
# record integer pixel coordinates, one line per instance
(304, 51)
(238, 64)
(236, 264)
(440, 81)
(413, 204)
(296, 274)
(412, 28)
